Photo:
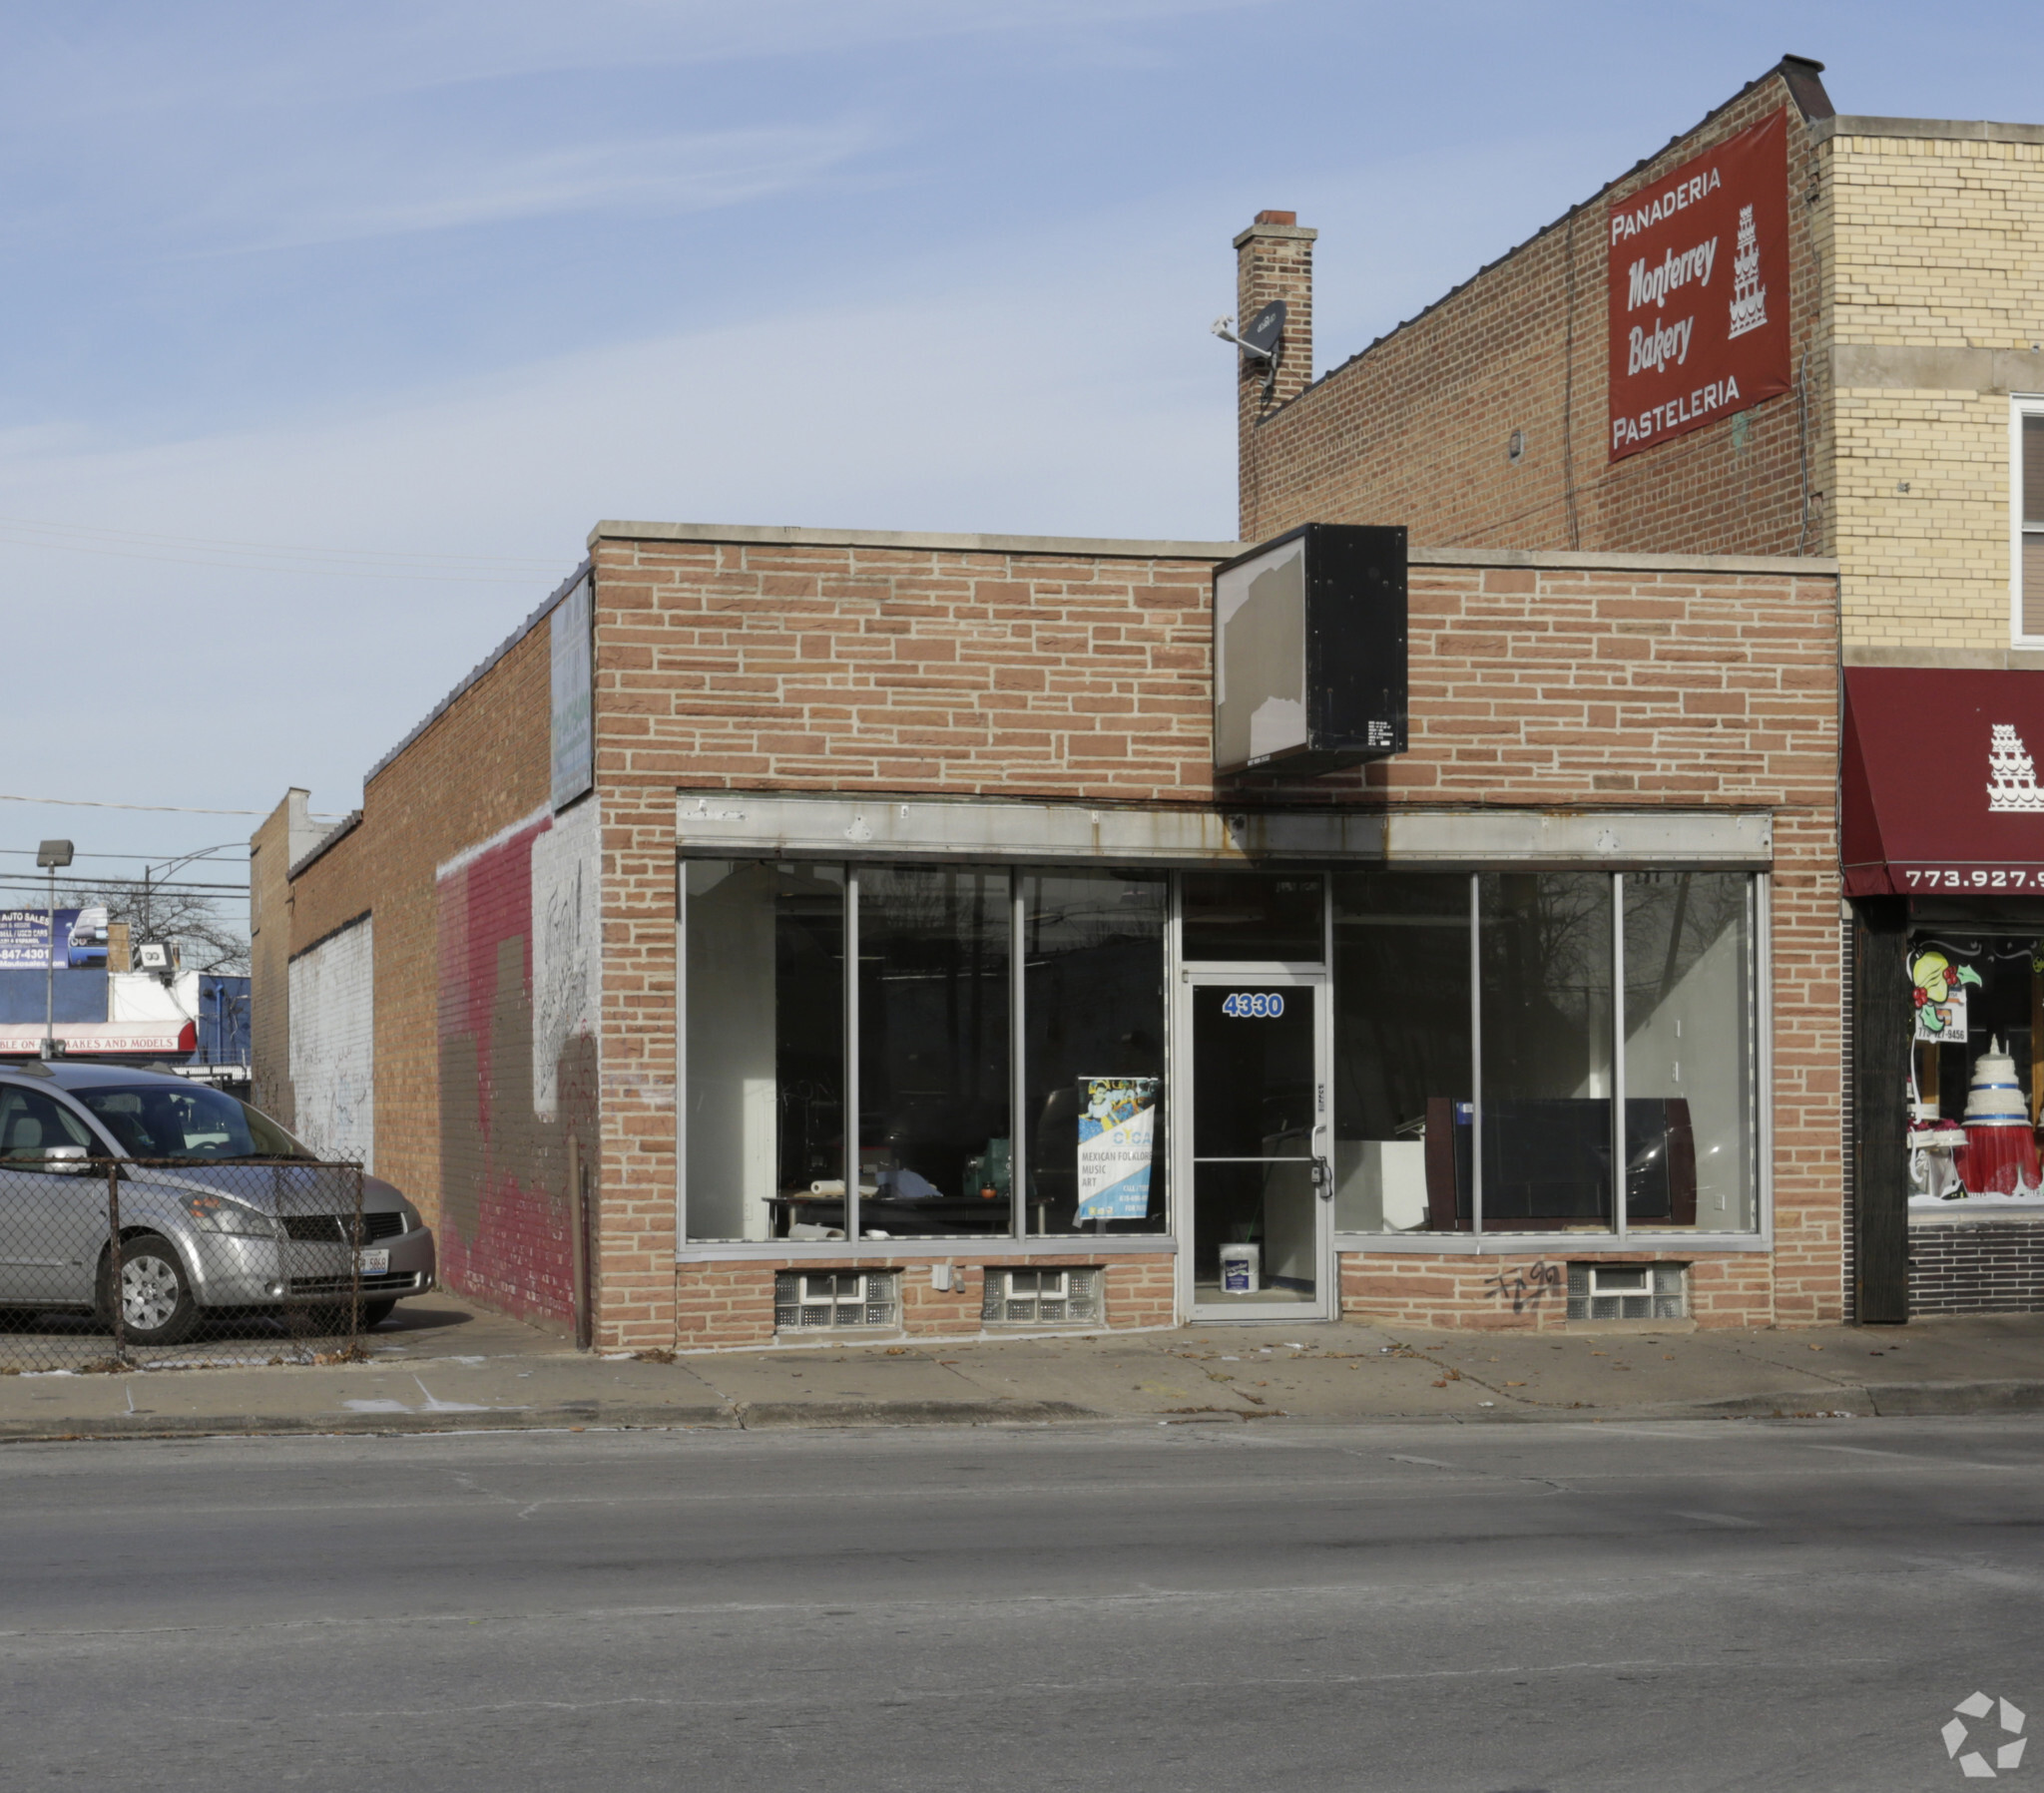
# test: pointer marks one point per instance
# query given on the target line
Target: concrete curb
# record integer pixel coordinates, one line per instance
(1871, 1400)
(1891, 1400)
(370, 1425)
(761, 1415)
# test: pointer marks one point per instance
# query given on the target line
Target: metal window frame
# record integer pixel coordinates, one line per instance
(1018, 1241)
(2020, 406)
(1622, 1236)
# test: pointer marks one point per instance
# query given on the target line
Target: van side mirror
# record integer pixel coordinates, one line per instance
(66, 1160)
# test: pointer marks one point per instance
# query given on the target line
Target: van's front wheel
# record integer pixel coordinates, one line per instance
(156, 1307)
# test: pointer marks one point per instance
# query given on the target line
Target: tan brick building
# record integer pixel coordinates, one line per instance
(867, 942)
(1901, 435)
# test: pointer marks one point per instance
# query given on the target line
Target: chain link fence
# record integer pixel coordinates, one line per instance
(139, 1264)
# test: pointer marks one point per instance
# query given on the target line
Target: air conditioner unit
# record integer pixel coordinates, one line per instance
(1628, 1292)
(1041, 1297)
(811, 1298)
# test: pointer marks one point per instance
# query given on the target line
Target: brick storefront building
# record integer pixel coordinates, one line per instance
(894, 853)
(1904, 438)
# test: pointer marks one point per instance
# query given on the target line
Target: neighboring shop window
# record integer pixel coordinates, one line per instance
(1978, 1087)
(1689, 1050)
(2027, 547)
(939, 1034)
(1542, 1025)
(1403, 1073)
(935, 1144)
(1093, 1002)
(764, 1111)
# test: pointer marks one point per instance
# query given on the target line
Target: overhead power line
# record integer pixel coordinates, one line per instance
(175, 887)
(152, 808)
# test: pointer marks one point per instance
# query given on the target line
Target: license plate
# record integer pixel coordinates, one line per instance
(373, 1264)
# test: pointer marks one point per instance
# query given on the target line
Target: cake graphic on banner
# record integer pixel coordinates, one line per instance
(1748, 297)
(2012, 779)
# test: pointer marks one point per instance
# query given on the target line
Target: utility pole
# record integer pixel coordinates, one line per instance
(49, 856)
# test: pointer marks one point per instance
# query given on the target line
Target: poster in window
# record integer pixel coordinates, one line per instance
(1117, 1130)
(1938, 994)
(1698, 290)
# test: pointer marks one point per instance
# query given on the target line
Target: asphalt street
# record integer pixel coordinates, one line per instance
(1679, 1606)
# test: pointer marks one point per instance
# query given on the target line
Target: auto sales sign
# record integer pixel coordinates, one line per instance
(1699, 290)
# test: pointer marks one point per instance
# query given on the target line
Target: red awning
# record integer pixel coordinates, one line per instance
(1939, 789)
(103, 1039)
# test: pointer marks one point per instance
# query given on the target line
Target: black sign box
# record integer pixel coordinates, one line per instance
(1309, 650)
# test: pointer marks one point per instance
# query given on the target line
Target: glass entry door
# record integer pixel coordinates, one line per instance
(1258, 1125)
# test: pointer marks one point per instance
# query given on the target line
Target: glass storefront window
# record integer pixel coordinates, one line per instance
(1979, 1025)
(1461, 1008)
(763, 1106)
(936, 1146)
(1256, 917)
(1402, 1081)
(1092, 1006)
(1545, 1101)
(1689, 1050)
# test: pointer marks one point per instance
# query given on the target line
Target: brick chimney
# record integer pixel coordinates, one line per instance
(1274, 259)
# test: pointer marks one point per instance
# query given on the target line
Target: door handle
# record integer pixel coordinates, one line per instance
(1323, 1180)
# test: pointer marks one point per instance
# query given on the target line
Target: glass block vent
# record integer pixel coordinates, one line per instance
(1628, 1292)
(1041, 1297)
(805, 1298)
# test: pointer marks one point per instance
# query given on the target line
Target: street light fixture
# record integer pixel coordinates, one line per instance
(51, 856)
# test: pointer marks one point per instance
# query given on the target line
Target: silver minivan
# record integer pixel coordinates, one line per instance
(222, 1211)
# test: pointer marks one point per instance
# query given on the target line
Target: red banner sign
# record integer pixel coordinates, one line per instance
(1699, 290)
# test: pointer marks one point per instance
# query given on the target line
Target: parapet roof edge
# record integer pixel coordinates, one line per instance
(1564, 560)
(479, 668)
(1799, 74)
(779, 536)
(1551, 558)
(332, 838)
(1950, 130)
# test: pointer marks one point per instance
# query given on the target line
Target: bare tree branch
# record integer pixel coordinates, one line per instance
(208, 939)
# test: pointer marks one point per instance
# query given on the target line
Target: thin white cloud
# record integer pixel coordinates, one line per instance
(126, 63)
(352, 202)
(957, 410)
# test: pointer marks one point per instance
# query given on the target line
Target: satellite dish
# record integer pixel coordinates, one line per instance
(1263, 340)
(1265, 331)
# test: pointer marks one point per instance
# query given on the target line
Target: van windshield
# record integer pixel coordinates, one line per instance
(156, 1120)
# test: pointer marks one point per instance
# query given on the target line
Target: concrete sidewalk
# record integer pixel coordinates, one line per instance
(444, 1365)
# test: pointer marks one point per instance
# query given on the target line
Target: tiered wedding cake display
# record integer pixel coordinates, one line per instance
(2000, 1154)
(1996, 1099)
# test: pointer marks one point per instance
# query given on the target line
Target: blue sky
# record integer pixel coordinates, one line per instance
(333, 330)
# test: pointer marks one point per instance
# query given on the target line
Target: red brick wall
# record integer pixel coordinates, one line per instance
(730, 1302)
(1977, 1267)
(505, 1211)
(1528, 1291)
(1413, 429)
(466, 1145)
(995, 673)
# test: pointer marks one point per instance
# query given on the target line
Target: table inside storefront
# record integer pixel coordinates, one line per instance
(931, 1214)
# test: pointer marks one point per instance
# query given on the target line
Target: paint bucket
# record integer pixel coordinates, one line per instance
(1238, 1265)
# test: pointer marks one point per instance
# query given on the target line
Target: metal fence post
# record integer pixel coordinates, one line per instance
(354, 1299)
(119, 1302)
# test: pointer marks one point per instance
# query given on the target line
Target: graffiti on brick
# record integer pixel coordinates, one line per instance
(1525, 1286)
